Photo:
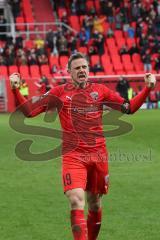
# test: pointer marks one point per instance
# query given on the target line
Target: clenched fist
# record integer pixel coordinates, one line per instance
(150, 80)
(15, 80)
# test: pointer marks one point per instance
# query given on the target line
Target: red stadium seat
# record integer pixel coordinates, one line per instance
(136, 58)
(29, 44)
(126, 60)
(63, 60)
(100, 73)
(83, 50)
(131, 72)
(118, 34)
(53, 60)
(45, 70)
(34, 70)
(89, 5)
(74, 22)
(61, 11)
(12, 69)
(20, 24)
(24, 71)
(94, 59)
(110, 43)
(120, 42)
(3, 71)
(105, 25)
(137, 62)
(105, 59)
(113, 51)
(30, 21)
(91, 74)
(108, 68)
(118, 66)
(81, 18)
(116, 58)
(97, 6)
(130, 42)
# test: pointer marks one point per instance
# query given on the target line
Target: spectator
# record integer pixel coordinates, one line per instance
(42, 59)
(131, 32)
(98, 24)
(97, 67)
(43, 85)
(72, 43)
(54, 68)
(63, 45)
(24, 90)
(157, 63)
(32, 58)
(81, 7)
(64, 19)
(74, 7)
(2, 60)
(152, 99)
(110, 33)
(131, 93)
(84, 36)
(10, 55)
(118, 20)
(133, 49)
(92, 50)
(88, 25)
(135, 11)
(49, 39)
(21, 58)
(39, 42)
(99, 44)
(146, 59)
(122, 87)
(55, 48)
(18, 41)
(108, 9)
(123, 50)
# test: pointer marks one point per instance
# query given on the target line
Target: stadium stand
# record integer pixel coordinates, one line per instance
(46, 48)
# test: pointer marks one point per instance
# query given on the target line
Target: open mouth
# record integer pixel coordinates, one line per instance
(81, 76)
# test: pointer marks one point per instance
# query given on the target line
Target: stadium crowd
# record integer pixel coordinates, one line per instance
(139, 20)
(97, 21)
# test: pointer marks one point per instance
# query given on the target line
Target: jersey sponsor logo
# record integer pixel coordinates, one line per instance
(69, 98)
(94, 95)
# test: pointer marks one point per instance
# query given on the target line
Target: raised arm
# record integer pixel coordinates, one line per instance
(129, 107)
(135, 103)
(35, 105)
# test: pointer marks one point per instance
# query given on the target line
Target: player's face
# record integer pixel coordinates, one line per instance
(79, 71)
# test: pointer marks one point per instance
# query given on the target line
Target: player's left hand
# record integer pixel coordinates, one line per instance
(15, 80)
(150, 80)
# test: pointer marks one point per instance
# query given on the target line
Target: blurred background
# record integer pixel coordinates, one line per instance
(120, 38)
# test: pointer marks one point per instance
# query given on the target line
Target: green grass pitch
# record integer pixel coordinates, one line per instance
(32, 203)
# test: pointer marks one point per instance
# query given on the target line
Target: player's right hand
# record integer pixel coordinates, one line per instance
(15, 80)
(150, 80)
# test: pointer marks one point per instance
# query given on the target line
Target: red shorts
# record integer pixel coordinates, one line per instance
(88, 171)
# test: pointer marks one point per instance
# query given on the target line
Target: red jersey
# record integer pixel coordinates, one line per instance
(80, 112)
(81, 115)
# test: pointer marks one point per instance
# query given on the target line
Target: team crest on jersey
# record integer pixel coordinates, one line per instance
(94, 95)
